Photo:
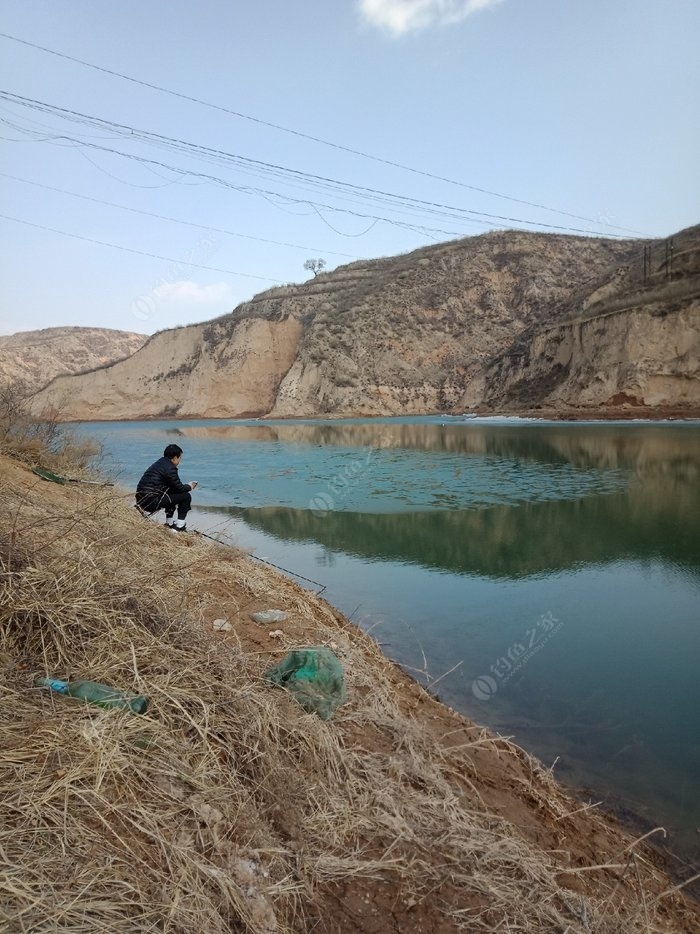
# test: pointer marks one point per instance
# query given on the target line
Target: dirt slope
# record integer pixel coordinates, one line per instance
(632, 343)
(398, 335)
(227, 808)
(36, 357)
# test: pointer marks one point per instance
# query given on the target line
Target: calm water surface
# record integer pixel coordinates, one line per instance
(557, 565)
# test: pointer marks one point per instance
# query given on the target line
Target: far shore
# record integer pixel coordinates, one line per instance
(597, 414)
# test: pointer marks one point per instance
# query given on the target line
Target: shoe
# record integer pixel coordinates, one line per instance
(178, 528)
(169, 523)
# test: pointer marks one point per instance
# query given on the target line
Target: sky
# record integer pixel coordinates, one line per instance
(321, 130)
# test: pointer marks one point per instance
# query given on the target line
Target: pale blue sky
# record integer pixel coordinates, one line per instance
(587, 108)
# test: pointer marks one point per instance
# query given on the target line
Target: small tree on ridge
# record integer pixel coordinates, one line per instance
(315, 265)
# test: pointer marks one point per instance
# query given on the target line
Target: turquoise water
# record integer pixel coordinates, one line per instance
(557, 566)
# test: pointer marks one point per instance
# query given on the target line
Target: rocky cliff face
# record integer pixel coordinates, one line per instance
(633, 343)
(404, 335)
(36, 357)
(445, 327)
(199, 370)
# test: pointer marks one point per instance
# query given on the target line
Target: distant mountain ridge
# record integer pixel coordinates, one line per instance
(36, 357)
(457, 325)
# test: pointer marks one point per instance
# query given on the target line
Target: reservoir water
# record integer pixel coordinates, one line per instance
(542, 578)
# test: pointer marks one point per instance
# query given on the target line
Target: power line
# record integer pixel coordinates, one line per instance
(270, 195)
(244, 163)
(127, 249)
(265, 193)
(165, 183)
(175, 220)
(298, 133)
(138, 135)
(256, 166)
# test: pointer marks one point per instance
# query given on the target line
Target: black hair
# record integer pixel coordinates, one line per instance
(172, 450)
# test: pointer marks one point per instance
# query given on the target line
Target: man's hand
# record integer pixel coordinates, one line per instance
(193, 484)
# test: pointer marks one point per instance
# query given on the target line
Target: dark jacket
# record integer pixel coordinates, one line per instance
(162, 477)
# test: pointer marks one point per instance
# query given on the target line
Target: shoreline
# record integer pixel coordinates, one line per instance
(630, 817)
(617, 808)
(478, 416)
(679, 864)
(434, 770)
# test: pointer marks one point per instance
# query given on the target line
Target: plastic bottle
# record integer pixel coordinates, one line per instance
(95, 693)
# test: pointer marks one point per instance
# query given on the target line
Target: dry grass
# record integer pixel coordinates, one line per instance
(227, 808)
(39, 441)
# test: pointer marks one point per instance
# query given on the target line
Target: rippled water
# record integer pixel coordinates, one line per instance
(558, 566)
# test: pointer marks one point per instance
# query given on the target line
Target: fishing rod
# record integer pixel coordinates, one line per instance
(57, 478)
(218, 541)
(278, 567)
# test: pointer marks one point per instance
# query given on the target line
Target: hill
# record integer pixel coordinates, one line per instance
(438, 329)
(632, 342)
(226, 807)
(36, 357)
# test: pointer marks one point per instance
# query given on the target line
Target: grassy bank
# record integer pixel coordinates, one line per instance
(226, 807)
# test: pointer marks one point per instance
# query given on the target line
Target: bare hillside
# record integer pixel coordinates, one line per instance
(36, 357)
(633, 342)
(402, 334)
(440, 329)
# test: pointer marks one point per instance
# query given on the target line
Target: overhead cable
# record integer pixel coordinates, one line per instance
(198, 150)
(302, 135)
(341, 192)
(127, 249)
(265, 193)
(175, 220)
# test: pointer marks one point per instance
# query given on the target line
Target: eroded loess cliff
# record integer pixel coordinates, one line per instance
(507, 320)
(198, 370)
(633, 344)
(35, 357)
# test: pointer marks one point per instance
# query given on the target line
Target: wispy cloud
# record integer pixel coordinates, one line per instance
(185, 290)
(402, 16)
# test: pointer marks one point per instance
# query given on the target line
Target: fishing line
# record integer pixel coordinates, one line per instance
(265, 561)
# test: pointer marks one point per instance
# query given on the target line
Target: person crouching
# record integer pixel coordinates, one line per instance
(161, 488)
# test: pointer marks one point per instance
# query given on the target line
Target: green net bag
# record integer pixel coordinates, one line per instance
(315, 678)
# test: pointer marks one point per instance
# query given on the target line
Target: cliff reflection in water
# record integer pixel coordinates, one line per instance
(639, 447)
(460, 536)
(598, 525)
(659, 518)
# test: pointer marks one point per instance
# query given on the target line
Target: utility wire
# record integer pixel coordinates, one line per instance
(127, 249)
(265, 193)
(298, 133)
(175, 220)
(165, 182)
(199, 150)
(243, 163)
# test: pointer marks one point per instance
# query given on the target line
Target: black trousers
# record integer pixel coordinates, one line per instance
(153, 501)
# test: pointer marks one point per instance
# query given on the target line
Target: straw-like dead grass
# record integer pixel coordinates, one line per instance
(227, 808)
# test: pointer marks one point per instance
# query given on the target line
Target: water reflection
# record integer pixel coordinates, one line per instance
(455, 538)
(600, 525)
(657, 519)
(642, 447)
